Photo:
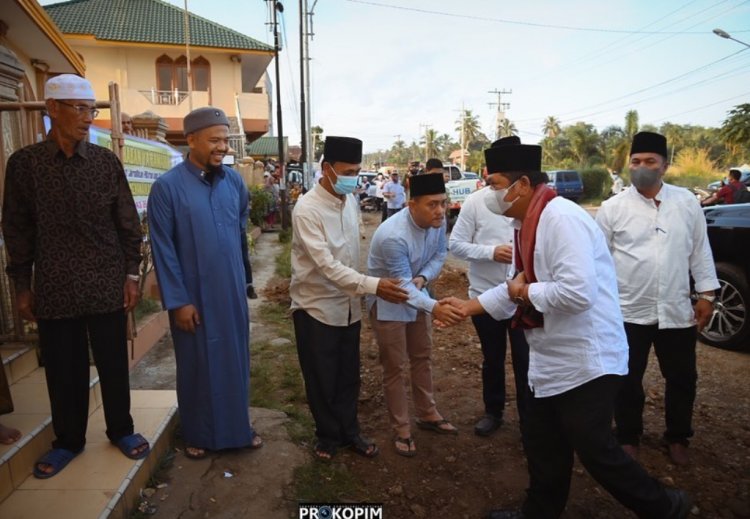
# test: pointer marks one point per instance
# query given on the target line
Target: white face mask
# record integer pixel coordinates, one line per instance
(494, 199)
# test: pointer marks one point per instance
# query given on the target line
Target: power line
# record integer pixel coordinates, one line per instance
(745, 95)
(528, 24)
(656, 85)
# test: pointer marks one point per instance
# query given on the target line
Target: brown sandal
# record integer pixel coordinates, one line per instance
(195, 453)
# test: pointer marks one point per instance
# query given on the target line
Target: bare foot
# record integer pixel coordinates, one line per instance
(257, 442)
(9, 435)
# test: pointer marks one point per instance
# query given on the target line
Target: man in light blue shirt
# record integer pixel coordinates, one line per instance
(411, 246)
(394, 194)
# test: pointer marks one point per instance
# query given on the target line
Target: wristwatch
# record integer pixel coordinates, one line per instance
(519, 300)
(707, 297)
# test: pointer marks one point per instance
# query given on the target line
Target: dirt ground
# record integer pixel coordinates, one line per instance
(464, 476)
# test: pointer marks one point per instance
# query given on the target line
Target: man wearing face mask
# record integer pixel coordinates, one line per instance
(197, 214)
(658, 239)
(326, 289)
(567, 304)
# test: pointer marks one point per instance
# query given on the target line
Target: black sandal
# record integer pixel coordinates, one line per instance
(436, 426)
(364, 447)
(411, 449)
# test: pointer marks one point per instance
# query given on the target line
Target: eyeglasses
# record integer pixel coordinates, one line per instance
(82, 109)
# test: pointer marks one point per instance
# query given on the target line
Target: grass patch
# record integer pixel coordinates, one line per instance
(284, 261)
(326, 483)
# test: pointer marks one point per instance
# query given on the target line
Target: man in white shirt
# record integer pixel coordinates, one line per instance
(326, 291)
(657, 235)
(485, 240)
(568, 306)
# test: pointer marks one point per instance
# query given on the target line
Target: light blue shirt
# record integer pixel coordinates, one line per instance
(398, 201)
(401, 249)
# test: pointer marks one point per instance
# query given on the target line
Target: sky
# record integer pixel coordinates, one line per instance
(384, 69)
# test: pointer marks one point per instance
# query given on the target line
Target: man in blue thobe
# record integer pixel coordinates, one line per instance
(197, 214)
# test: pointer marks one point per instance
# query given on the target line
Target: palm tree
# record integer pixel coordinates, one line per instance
(469, 124)
(631, 124)
(507, 128)
(429, 142)
(551, 127)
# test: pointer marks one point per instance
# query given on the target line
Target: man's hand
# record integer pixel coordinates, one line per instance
(419, 282)
(186, 318)
(503, 254)
(131, 295)
(515, 286)
(25, 304)
(391, 291)
(447, 314)
(703, 312)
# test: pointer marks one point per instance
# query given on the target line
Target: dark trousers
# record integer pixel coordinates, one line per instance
(385, 211)
(580, 421)
(329, 358)
(675, 350)
(64, 344)
(391, 212)
(493, 336)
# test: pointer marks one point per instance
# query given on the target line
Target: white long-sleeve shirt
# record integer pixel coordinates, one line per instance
(325, 257)
(583, 337)
(656, 249)
(474, 237)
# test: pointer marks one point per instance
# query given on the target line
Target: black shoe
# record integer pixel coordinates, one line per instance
(251, 292)
(504, 514)
(487, 425)
(681, 503)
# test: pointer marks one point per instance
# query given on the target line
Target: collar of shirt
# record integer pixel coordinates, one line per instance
(54, 149)
(326, 198)
(660, 196)
(416, 228)
(199, 173)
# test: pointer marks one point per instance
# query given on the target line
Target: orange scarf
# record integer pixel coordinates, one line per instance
(529, 317)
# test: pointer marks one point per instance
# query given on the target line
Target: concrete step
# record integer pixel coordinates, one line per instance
(100, 482)
(19, 359)
(32, 417)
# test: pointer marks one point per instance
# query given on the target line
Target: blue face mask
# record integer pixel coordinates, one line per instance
(344, 185)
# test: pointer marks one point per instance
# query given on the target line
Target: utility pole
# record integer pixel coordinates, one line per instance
(427, 140)
(501, 107)
(302, 105)
(278, 7)
(186, 21)
(463, 136)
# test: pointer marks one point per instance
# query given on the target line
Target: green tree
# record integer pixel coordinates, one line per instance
(317, 135)
(551, 127)
(735, 130)
(584, 143)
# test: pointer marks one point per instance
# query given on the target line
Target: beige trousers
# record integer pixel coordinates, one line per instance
(401, 343)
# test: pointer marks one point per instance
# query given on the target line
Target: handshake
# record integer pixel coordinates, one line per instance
(450, 311)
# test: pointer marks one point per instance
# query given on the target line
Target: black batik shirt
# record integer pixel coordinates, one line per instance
(73, 222)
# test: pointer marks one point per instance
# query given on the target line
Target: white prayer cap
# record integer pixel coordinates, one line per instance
(68, 86)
